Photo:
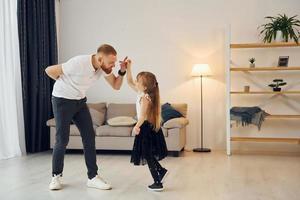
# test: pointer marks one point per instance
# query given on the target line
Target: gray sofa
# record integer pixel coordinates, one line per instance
(121, 138)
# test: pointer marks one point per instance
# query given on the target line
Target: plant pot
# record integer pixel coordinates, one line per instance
(279, 37)
(276, 89)
(252, 65)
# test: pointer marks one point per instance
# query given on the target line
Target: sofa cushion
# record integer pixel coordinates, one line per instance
(176, 123)
(51, 122)
(115, 110)
(168, 112)
(74, 130)
(98, 118)
(101, 107)
(180, 107)
(121, 121)
(107, 130)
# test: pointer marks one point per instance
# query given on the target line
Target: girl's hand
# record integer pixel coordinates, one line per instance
(123, 64)
(128, 63)
(136, 130)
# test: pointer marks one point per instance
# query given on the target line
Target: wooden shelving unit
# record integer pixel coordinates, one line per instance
(265, 92)
(274, 117)
(258, 69)
(265, 139)
(283, 117)
(264, 45)
(229, 93)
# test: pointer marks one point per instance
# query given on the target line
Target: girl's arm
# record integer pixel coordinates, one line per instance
(130, 80)
(144, 107)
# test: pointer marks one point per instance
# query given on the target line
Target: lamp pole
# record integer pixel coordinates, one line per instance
(201, 149)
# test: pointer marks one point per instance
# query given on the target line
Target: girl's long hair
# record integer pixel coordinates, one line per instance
(153, 113)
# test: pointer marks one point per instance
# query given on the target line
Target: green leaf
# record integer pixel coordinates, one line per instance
(282, 84)
(277, 80)
(272, 85)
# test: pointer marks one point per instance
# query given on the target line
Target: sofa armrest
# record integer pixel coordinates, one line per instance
(51, 122)
(176, 123)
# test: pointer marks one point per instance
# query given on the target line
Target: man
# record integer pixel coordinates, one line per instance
(73, 78)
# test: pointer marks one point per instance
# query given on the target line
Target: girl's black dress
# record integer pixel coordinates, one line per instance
(148, 144)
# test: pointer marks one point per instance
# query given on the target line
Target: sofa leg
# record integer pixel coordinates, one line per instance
(174, 153)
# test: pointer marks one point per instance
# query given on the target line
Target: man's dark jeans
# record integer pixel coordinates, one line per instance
(66, 111)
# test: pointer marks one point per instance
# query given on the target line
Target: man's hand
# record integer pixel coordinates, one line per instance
(54, 71)
(114, 81)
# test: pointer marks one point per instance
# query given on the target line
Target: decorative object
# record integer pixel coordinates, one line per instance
(283, 61)
(252, 64)
(279, 37)
(201, 70)
(276, 85)
(168, 113)
(121, 121)
(247, 88)
(281, 29)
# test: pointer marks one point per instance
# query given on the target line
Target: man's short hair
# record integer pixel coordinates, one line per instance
(107, 49)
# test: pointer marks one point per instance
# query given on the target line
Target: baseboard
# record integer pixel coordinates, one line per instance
(117, 152)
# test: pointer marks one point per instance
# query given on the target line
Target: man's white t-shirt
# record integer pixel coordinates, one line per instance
(78, 76)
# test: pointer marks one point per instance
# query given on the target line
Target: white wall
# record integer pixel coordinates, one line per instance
(167, 37)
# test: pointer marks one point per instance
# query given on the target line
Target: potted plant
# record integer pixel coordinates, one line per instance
(281, 29)
(276, 85)
(252, 64)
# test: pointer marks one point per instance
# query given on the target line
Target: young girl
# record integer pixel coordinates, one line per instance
(149, 144)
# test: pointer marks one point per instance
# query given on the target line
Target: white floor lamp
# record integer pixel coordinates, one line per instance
(201, 70)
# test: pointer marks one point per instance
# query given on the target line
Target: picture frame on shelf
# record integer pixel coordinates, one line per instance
(283, 61)
(246, 88)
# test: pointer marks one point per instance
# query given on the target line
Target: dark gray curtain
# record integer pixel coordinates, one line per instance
(38, 49)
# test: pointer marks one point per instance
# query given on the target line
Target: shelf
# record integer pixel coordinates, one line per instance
(265, 139)
(283, 117)
(270, 117)
(276, 117)
(264, 45)
(265, 92)
(243, 69)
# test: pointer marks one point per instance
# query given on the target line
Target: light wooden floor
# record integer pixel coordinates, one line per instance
(211, 176)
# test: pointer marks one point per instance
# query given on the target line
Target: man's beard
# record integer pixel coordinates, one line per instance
(107, 71)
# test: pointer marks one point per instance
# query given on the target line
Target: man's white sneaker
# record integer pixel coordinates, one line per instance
(56, 183)
(98, 183)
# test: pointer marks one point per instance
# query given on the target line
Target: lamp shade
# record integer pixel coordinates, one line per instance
(201, 70)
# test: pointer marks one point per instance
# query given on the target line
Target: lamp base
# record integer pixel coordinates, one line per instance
(202, 150)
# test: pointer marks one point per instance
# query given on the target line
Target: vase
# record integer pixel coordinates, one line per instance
(252, 65)
(276, 89)
(279, 37)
